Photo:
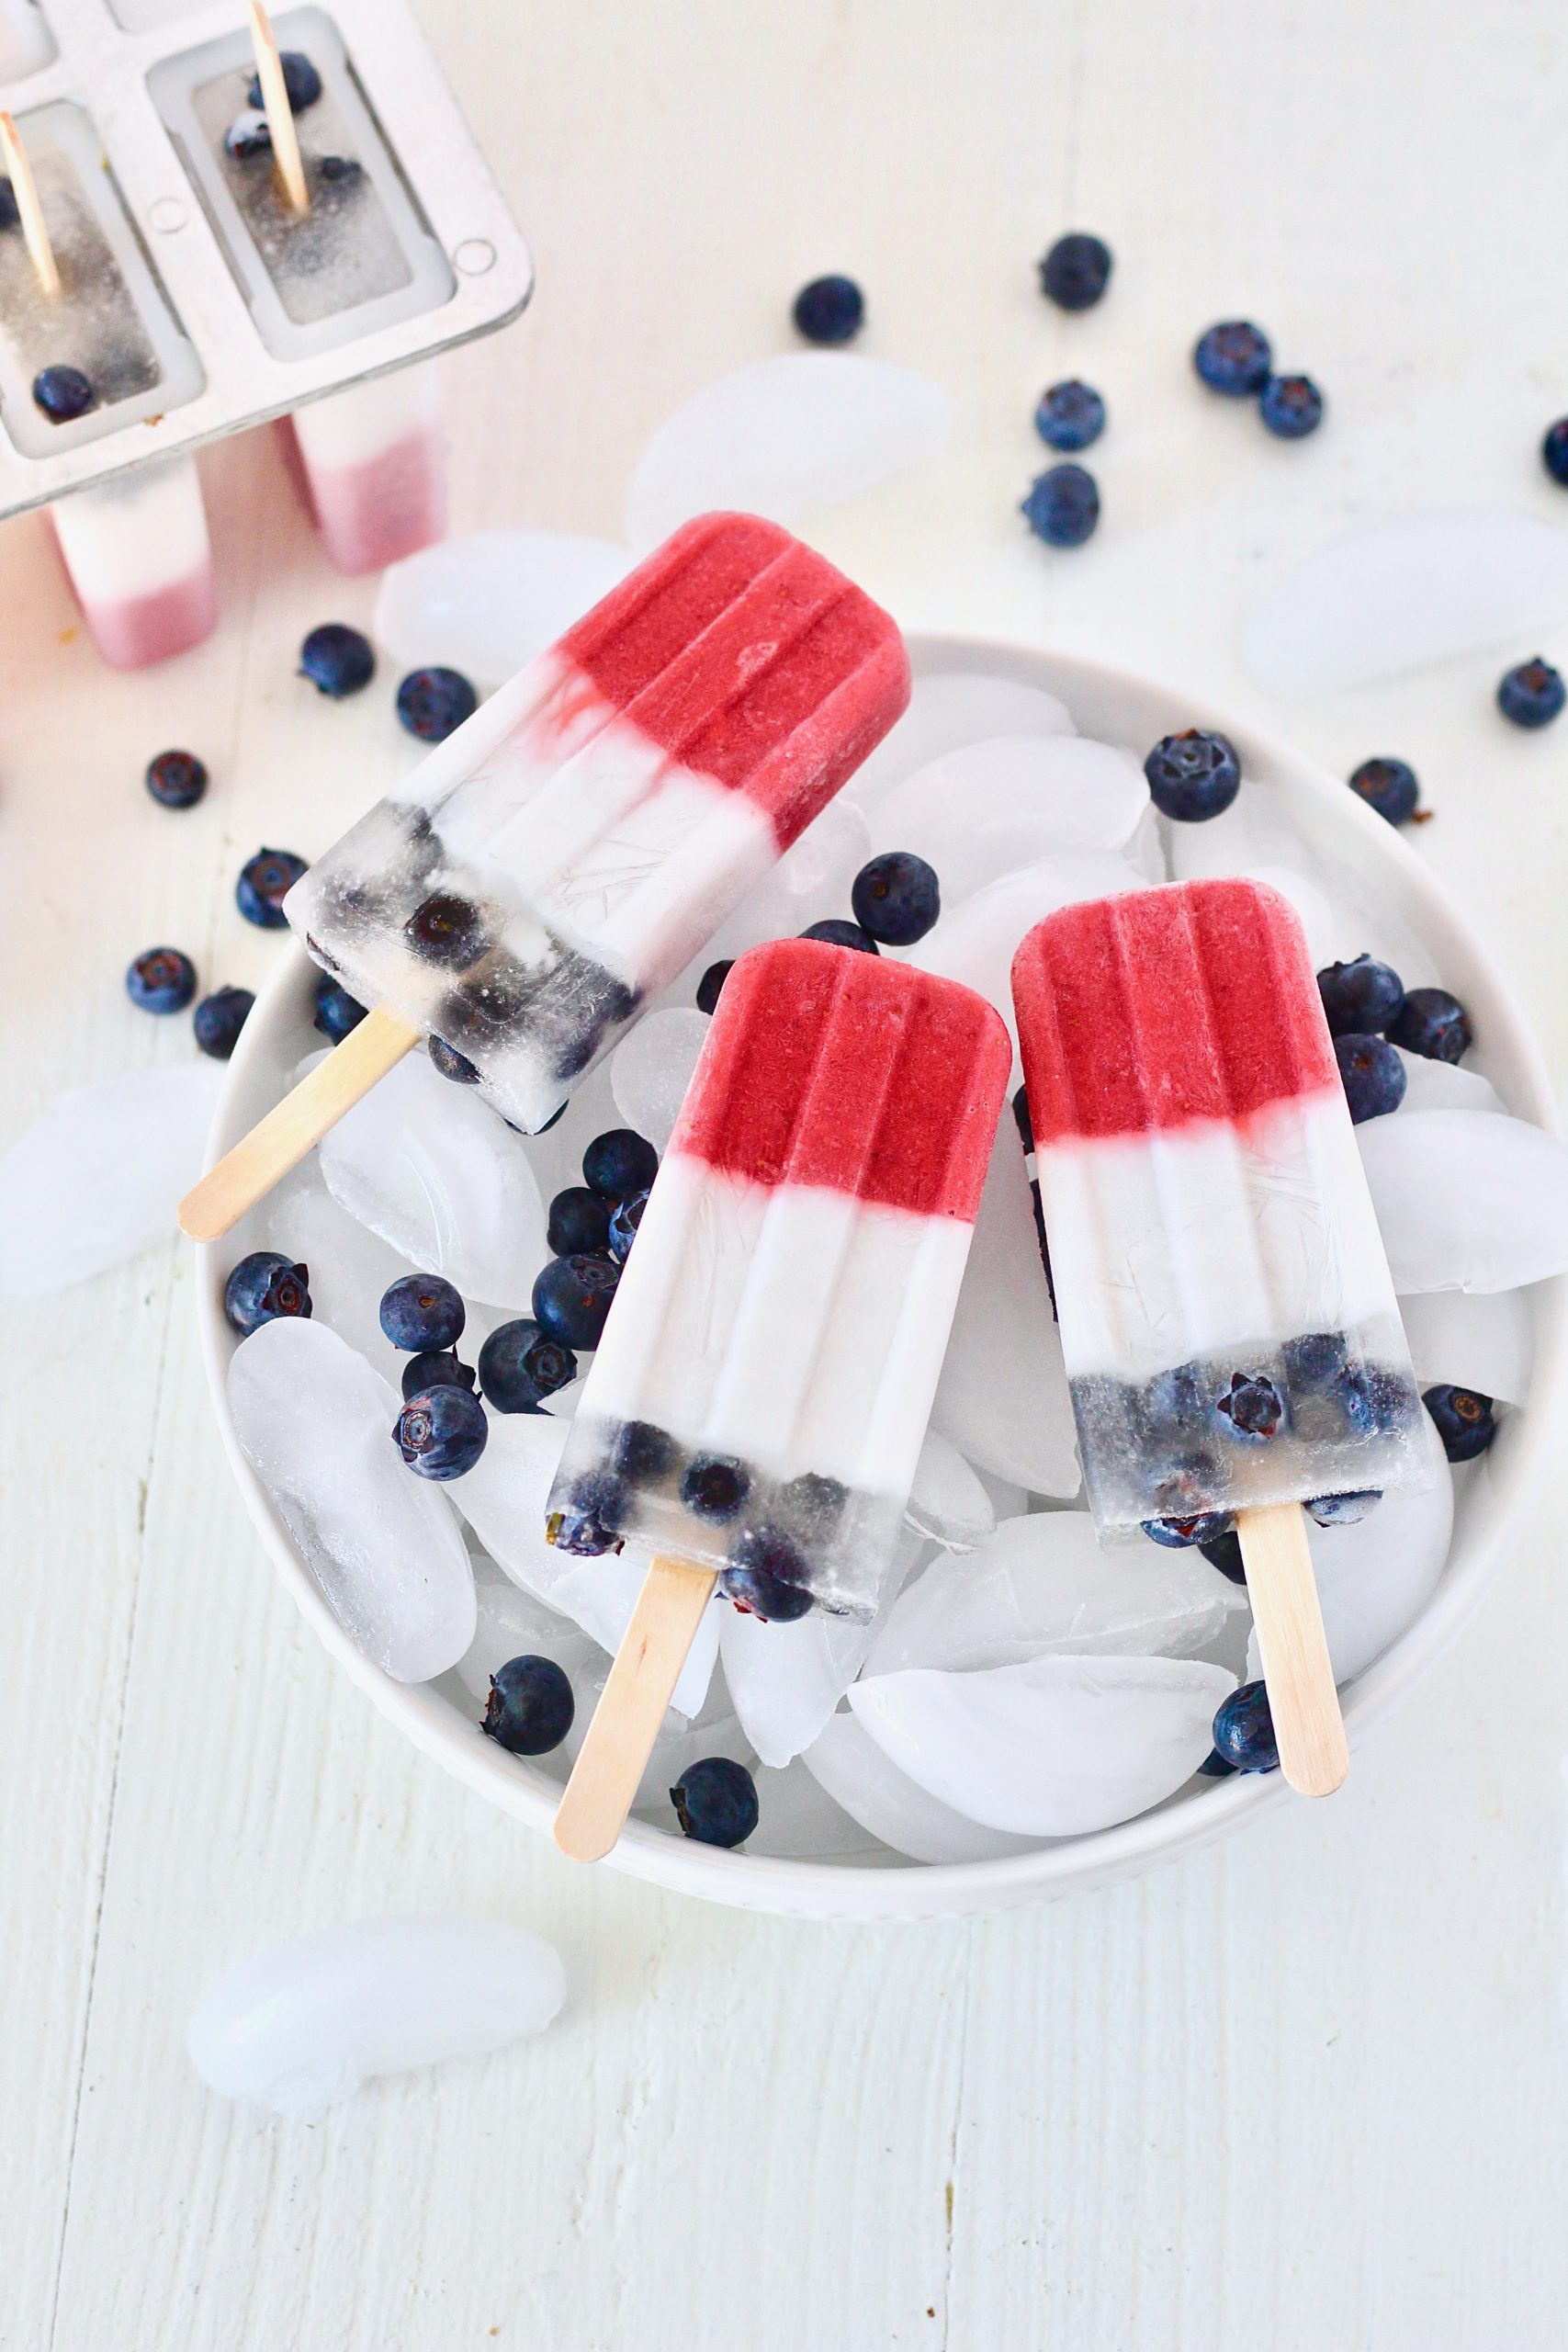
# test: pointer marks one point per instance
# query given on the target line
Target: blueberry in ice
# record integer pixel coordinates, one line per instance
(1314, 1359)
(530, 1706)
(337, 659)
(339, 172)
(643, 1450)
(619, 1163)
(1075, 271)
(1214, 1766)
(588, 1526)
(448, 930)
(766, 1575)
(625, 1220)
(811, 1501)
(1069, 415)
(265, 882)
(1177, 1490)
(457, 1067)
(572, 1297)
(336, 1011)
(1233, 357)
(10, 211)
(302, 82)
(519, 1366)
(1291, 406)
(432, 703)
(839, 933)
(1062, 505)
(63, 393)
(1200, 1528)
(1372, 1074)
(250, 134)
(1532, 694)
(1343, 1510)
(1224, 1551)
(441, 1432)
(1375, 1402)
(1390, 786)
(831, 310)
(895, 898)
(177, 779)
(262, 1287)
(161, 979)
(421, 1311)
(711, 981)
(716, 1802)
(579, 1222)
(1464, 1420)
(219, 1019)
(1362, 997)
(1554, 449)
(1432, 1022)
(1243, 1730)
(1193, 776)
(434, 1368)
(1252, 1405)
(715, 1485)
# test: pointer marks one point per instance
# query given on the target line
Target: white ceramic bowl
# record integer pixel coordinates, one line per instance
(1104, 702)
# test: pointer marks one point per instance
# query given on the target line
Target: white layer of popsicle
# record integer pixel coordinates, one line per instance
(375, 467)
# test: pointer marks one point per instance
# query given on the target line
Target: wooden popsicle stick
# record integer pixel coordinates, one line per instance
(279, 113)
(1309, 1730)
(23, 188)
(631, 1707)
(277, 1142)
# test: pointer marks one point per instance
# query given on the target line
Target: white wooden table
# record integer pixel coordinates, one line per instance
(1305, 2093)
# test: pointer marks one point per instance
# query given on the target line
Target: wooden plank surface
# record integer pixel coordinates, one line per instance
(1304, 2092)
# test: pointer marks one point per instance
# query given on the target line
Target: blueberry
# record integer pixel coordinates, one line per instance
(1463, 1419)
(813, 1501)
(1390, 786)
(1372, 1073)
(579, 1223)
(1314, 1360)
(644, 1451)
(1201, 1528)
(10, 211)
(1224, 1551)
(432, 703)
(421, 1311)
(530, 1707)
(715, 1486)
(766, 1575)
(837, 933)
(716, 1802)
(1069, 415)
(434, 1368)
(1343, 1510)
(1373, 1400)
(1252, 1405)
(339, 171)
(1214, 1766)
(1291, 406)
(63, 393)
(161, 981)
(1233, 357)
(336, 1011)
(1062, 505)
(1361, 997)
(302, 82)
(456, 1065)
(711, 981)
(519, 1366)
(441, 1432)
(249, 135)
(1075, 273)
(1432, 1022)
(895, 898)
(1532, 695)
(588, 1526)
(571, 1298)
(219, 1019)
(619, 1163)
(337, 659)
(448, 930)
(831, 310)
(1244, 1731)
(625, 1220)
(1193, 776)
(265, 882)
(264, 1287)
(1554, 449)
(177, 779)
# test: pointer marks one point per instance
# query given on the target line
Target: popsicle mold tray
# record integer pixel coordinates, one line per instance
(195, 301)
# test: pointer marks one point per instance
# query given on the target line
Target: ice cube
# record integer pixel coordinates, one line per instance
(514, 1622)
(487, 603)
(976, 942)
(651, 1069)
(947, 1501)
(99, 1176)
(786, 438)
(1144, 848)
(438, 1175)
(799, 1822)
(949, 708)
(846, 1761)
(1255, 829)
(786, 1679)
(1056, 1747)
(1467, 1200)
(1482, 1340)
(984, 810)
(350, 1268)
(304, 2024)
(1431, 1085)
(315, 1422)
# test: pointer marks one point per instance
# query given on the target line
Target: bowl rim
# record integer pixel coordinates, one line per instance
(915, 1891)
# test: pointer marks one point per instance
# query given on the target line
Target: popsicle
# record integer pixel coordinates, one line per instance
(569, 850)
(374, 469)
(1229, 1326)
(755, 1408)
(139, 557)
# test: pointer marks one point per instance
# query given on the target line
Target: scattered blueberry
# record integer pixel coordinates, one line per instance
(1193, 776)
(716, 1802)
(265, 882)
(1252, 1405)
(1343, 1510)
(1069, 415)
(1390, 786)
(219, 1019)
(619, 1163)
(1075, 273)
(766, 1575)
(262, 1287)
(10, 210)
(1291, 406)
(448, 930)
(1532, 694)
(1464, 1420)
(1062, 505)
(519, 1366)
(1554, 449)
(177, 779)
(579, 1223)
(336, 1011)
(839, 933)
(1214, 1766)
(1224, 1551)
(1244, 1731)
(161, 981)
(1200, 1527)
(421, 1311)
(711, 981)
(302, 82)
(571, 1298)
(337, 659)
(249, 135)
(831, 310)
(895, 898)
(1373, 1074)
(456, 1065)
(441, 1432)
(63, 393)
(1361, 997)
(1233, 357)
(625, 1220)
(715, 1486)
(589, 1526)
(1432, 1022)
(530, 1707)
(432, 703)
(434, 1368)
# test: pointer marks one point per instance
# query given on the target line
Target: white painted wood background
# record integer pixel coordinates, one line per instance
(1306, 2093)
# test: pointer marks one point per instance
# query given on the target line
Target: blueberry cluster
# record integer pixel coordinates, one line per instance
(1236, 360)
(1370, 1011)
(896, 901)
